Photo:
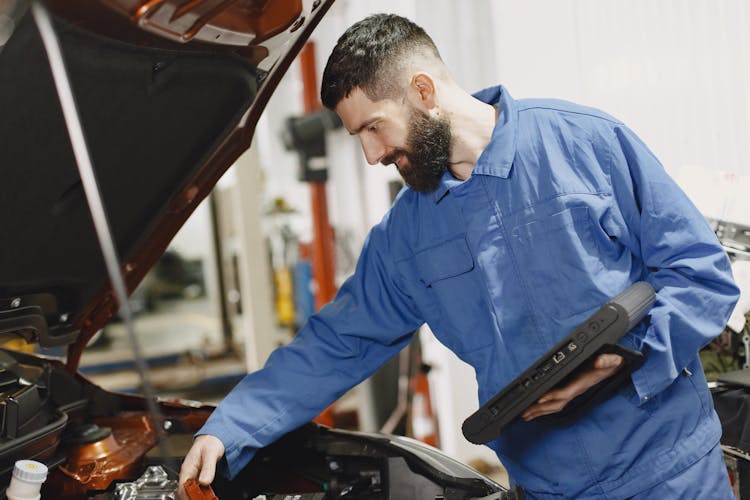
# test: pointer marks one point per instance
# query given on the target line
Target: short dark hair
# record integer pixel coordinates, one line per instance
(370, 55)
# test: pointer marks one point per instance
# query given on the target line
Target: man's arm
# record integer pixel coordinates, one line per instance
(684, 262)
(695, 292)
(369, 321)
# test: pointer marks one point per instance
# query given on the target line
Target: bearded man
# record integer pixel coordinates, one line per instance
(520, 218)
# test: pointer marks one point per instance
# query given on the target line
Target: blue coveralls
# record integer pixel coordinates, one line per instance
(564, 209)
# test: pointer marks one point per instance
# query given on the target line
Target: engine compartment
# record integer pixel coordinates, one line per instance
(101, 445)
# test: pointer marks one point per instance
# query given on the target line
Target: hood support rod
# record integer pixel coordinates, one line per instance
(93, 196)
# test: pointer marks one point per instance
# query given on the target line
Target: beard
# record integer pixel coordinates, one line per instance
(428, 150)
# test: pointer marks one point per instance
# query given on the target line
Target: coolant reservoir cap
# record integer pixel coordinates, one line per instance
(30, 470)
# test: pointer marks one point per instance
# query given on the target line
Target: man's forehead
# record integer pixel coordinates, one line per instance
(357, 98)
(357, 109)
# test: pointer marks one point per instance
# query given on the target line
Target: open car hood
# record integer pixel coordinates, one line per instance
(169, 92)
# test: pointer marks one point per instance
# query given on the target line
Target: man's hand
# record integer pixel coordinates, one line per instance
(555, 400)
(200, 461)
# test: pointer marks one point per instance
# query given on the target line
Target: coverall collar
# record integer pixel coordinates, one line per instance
(497, 157)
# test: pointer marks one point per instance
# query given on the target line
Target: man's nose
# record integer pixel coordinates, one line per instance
(374, 151)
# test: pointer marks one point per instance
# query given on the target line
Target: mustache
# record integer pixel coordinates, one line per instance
(394, 157)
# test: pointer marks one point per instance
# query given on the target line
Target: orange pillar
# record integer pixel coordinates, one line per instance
(322, 245)
(323, 249)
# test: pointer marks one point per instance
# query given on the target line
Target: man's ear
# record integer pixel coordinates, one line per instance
(423, 92)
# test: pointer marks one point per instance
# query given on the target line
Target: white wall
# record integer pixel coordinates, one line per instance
(676, 71)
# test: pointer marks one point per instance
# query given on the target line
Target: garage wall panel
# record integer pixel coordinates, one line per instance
(676, 71)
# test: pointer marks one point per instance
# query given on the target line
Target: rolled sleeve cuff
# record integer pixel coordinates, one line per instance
(235, 457)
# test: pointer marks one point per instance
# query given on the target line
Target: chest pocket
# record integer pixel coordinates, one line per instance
(558, 254)
(443, 261)
(451, 283)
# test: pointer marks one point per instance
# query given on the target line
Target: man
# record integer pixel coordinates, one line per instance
(521, 218)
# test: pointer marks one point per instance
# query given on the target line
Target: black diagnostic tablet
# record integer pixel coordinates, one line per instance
(597, 335)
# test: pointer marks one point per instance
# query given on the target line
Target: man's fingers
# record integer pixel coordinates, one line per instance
(555, 400)
(208, 467)
(604, 361)
(576, 387)
(190, 467)
(200, 461)
(181, 494)
(546, 408)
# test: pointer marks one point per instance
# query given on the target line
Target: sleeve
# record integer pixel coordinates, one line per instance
(682, 259)
(370, 320)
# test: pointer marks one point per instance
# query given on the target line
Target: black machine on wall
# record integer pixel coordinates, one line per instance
(735, 238)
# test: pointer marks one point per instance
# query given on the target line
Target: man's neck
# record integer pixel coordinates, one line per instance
(472, 122)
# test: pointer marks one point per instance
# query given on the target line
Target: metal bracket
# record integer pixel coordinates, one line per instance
(30, 316)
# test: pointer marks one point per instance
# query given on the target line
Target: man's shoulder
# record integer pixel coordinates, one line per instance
(404, 219)
(408, 200)
(393, 220)
(560, 106)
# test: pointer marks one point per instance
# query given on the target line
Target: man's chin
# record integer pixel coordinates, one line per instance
(422, 186)
(418, 178)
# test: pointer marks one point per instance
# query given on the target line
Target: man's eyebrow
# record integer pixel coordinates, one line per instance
(365, 124)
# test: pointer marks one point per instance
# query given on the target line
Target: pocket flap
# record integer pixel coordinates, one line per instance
(445, 260)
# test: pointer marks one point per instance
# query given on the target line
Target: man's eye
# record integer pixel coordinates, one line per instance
(372, 128)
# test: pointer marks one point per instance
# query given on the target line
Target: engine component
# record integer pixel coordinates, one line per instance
(154, 484)
(100, 453)
(196, 491)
